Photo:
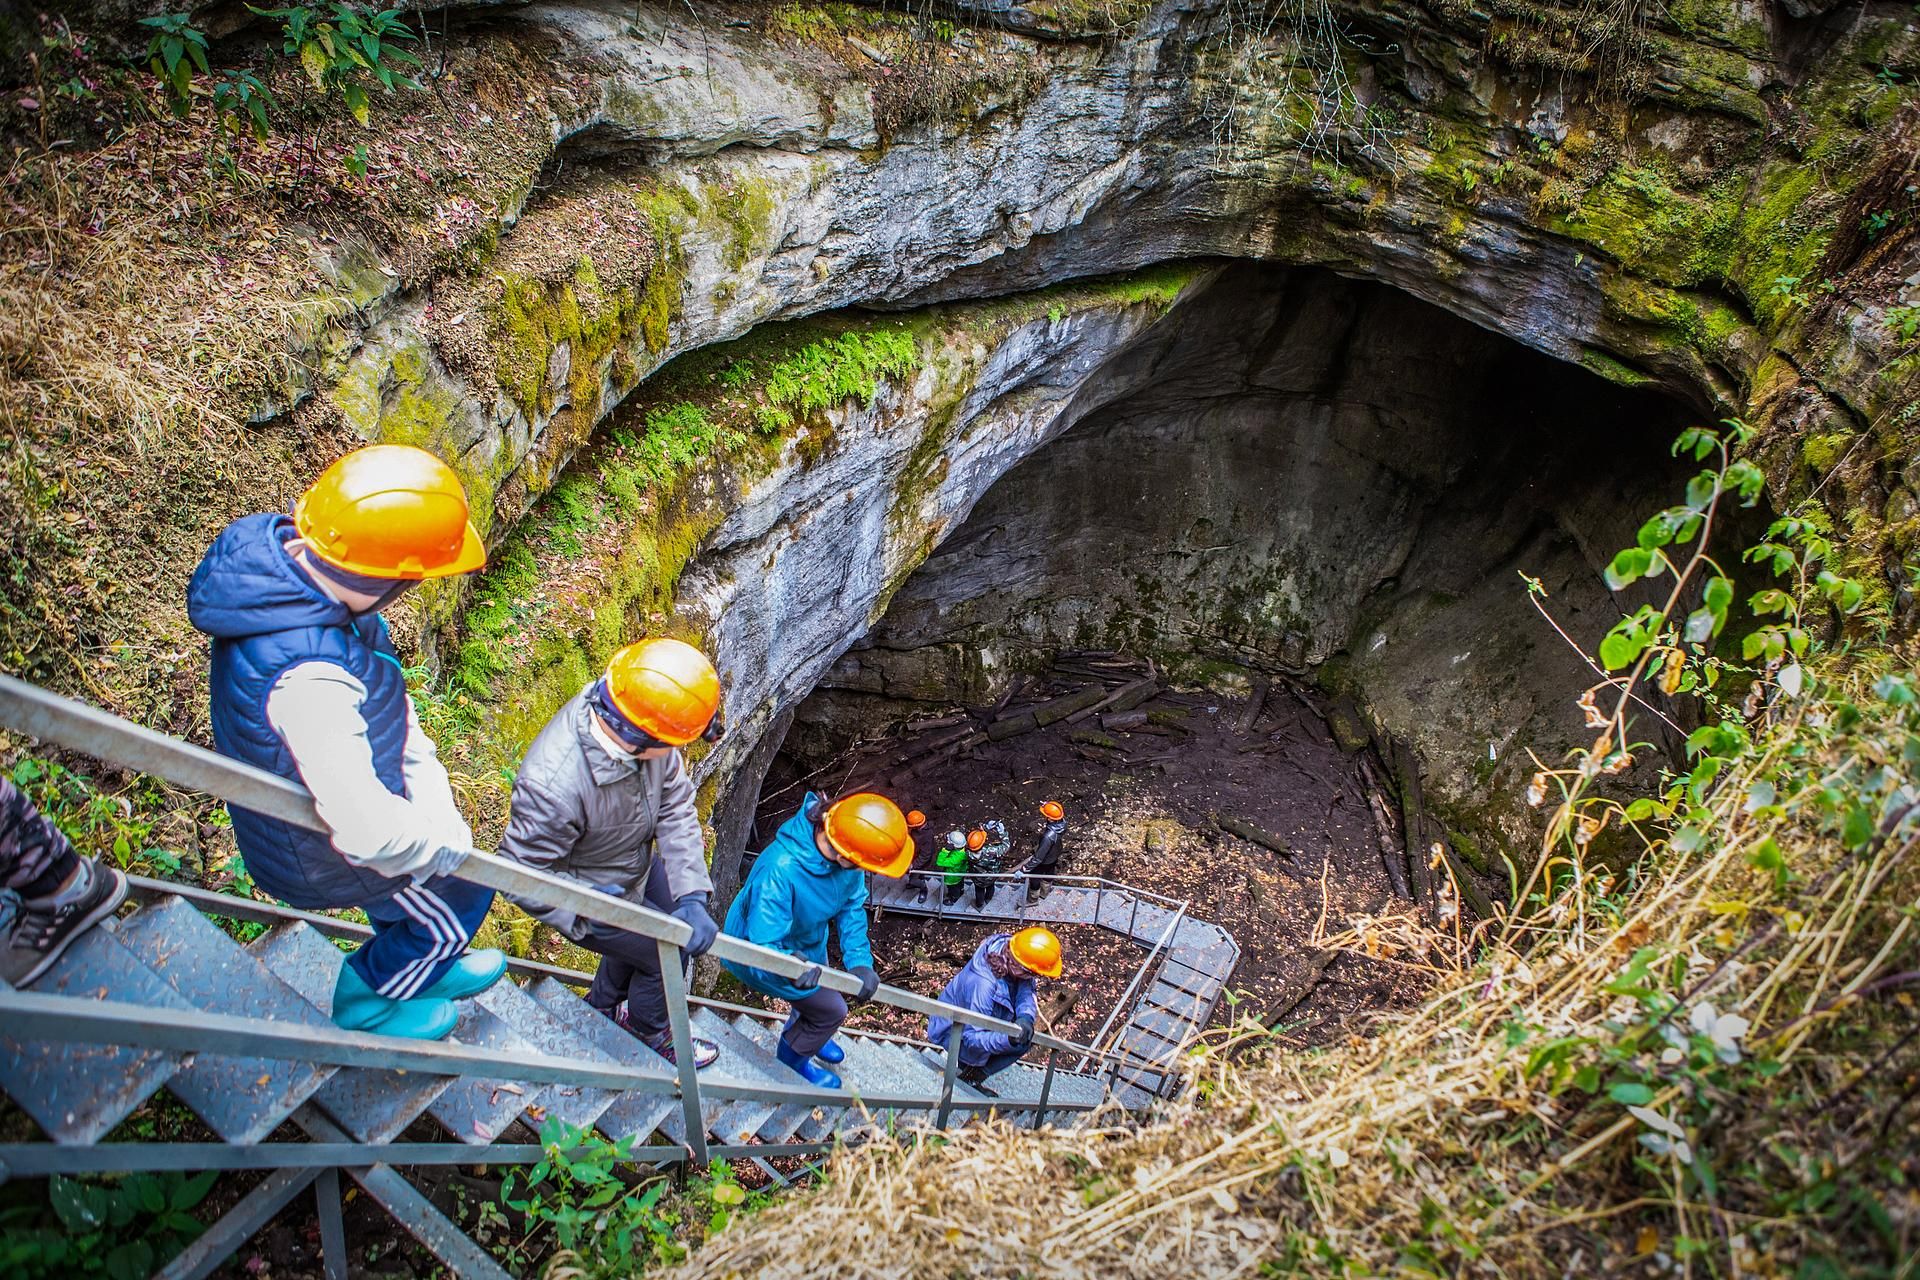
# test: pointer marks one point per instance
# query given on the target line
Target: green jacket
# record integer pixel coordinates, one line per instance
(953, 862)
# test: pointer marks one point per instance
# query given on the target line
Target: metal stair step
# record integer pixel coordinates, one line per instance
(743, 1060)
(867, 1070)
(790, 1122)
(1171, 1027)
(77, 1092)
(241, 1099)
(476, 1109)
(634, 1114)
(572, 1104)
(923, 1059)
(1022, 1081)
(371, 1103)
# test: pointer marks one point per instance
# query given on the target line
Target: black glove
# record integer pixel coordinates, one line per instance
(692, 908)
(869, 982)
(809, 979)
(1025, 1037)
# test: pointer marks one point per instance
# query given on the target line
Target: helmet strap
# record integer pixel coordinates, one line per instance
(384, 590)
(630, 734)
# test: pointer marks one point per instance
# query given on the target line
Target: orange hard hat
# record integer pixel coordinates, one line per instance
(667, 688)
(1037, 950)
(915, 819)
(1052, 811)
(390, 511)
(869, 831)
(976, 840)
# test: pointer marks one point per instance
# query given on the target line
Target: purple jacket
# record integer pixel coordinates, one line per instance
(980, 989)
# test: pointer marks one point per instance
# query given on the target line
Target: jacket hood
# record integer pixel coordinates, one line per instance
(247, 585)
(797, 831)
(979, 961)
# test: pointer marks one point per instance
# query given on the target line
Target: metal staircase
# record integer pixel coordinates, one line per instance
(241, 1033)
(1196, 957)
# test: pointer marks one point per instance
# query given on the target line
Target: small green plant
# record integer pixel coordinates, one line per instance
(123, 1229)
(1905, 322)
(1787, 289)
(348, 46)
(99, 824)
(176, 49)
(608, 1228)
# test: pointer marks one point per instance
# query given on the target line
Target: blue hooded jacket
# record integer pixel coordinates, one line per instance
(790, 897)
(266, 616)
(979, 988)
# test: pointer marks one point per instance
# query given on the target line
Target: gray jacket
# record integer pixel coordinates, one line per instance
(581, 812)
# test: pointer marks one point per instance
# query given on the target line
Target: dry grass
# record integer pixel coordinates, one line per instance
(1447, 1143)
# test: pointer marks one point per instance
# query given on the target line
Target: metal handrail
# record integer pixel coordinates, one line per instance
(28, 709)
(1092, 882)
(1166, 936)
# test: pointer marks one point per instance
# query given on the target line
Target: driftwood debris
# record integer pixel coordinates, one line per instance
(1126, 720)
(938, 722)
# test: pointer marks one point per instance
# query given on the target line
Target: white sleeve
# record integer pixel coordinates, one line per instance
(315, 708)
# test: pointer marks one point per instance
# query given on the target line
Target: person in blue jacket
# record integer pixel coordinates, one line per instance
(999, 982)
(305, 683)
(814, 875)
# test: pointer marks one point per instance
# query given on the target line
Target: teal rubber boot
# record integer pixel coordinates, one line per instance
(358, 1007)
(471, 974)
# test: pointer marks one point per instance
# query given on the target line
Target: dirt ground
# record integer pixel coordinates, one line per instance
(1140, 807)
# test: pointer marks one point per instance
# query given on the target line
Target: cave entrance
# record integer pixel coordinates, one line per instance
(1304, 507)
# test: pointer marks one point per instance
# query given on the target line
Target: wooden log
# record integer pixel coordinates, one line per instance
(1265, 839)
(1098, 755)
(1126, 720)
(1413, 822)
(1392, 856)
(938, 722)
(1294, 992)
(1125, 698)
(1060, 708)
(1254, 705)
(1012, 726)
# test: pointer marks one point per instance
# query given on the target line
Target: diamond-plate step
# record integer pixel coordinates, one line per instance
(791, 1122)
(241, 1099)
(573, 1104)
(634, 1114)
(1021, 1084)
(371, 1103)
(1170, 1027)
(476, 1109)
(923, 1061)
(76, 1091)
(743, 1060)
(871, 1067)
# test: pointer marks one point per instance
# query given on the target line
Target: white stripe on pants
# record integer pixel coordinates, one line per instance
(449, 939)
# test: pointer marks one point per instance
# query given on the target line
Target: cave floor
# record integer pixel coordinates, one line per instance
(1140, 808)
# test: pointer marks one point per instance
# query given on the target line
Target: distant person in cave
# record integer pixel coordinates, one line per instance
(952, 859)
(603, 798)
(987, 859)
(812, 876)
(305, 683)
(52, 894)
(1046, 856)
(998, 981)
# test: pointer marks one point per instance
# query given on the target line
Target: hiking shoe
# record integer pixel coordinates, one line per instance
(705, 1052)
(44, 931)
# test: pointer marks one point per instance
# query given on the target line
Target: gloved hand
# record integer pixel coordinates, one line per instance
(869, 982)
(1025, 1037)
(691, 908)
(808, 979)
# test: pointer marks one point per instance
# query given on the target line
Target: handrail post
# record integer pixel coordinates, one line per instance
(1046, 1090)
(1133, 916)
(673, 980)
(952, 1074)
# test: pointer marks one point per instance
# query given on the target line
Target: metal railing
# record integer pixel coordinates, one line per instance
(25, 708)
